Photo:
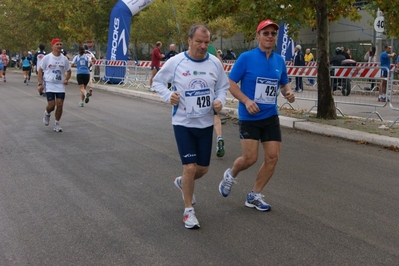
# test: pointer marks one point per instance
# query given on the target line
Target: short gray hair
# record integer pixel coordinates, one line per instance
(194, 28)
(299, 47)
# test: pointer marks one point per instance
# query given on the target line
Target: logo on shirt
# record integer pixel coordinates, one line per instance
(187, 73)
(199, 73)
(197, 84)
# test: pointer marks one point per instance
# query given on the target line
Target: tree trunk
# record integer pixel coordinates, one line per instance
(325, 107)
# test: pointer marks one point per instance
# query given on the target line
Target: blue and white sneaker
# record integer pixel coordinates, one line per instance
(177, 183)
(226, 183)
(256, 201)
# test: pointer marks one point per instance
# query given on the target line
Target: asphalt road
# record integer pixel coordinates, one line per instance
(102, 193)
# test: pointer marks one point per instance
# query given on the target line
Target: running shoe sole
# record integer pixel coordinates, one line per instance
(87, 97)
(220, 148)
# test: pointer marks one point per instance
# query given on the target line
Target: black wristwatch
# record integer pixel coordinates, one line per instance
(40, 84)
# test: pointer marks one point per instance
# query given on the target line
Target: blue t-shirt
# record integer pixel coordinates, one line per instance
(82, 64)
(385, 60)
(261, 79)
(26, 61)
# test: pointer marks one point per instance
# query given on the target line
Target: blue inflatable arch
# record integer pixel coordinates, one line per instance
(119, 35)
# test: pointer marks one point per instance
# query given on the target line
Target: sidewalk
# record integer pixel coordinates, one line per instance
(300, 124)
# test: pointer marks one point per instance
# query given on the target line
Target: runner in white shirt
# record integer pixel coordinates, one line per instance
(92, 58)
(54, 71)
(200, 87)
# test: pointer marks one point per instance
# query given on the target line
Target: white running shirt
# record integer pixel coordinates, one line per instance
(199, 83)
(54, 69)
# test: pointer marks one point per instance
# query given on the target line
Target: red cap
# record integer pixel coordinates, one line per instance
(54, 41)
(263, 24)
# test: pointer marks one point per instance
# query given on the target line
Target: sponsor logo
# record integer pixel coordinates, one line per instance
(189, 155)
(117, 39)
(286, 41)
(197, 84)
(199, 73)
(198, 92)
(187, 73)
(267, 81)
(146, 3)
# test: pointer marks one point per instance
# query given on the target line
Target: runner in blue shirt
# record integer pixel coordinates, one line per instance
(262, 74)
(83, 64)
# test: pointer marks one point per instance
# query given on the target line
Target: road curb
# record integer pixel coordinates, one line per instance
(289, 122)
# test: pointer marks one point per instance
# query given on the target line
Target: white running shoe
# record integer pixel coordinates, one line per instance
(177, 183)
(227, 182)
(46, 119)
(57, 127)
(190, 220)
(81, 104)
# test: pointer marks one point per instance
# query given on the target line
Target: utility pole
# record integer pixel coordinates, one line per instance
(378, 39)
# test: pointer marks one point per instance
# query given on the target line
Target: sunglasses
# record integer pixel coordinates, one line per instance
(267, 33)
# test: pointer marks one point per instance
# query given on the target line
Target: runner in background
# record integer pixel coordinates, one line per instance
(83, 63)
(217, 122)
(37, 58)
(26, 63)
(5, 59)
(92, 58)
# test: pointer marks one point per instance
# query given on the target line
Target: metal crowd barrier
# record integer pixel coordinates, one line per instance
(394, 101)
(350, 84)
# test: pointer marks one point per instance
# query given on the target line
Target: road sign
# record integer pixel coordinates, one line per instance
(379, 24)
(90, 44)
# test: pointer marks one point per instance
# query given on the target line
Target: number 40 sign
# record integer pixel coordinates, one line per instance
(379, 24)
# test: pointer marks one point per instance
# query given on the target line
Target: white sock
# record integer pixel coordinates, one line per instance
(188, 209)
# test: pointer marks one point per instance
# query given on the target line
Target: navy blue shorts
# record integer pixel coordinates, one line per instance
(194, 144)
(384, 73)
(264, 130)
(157, 68)
(51, 96)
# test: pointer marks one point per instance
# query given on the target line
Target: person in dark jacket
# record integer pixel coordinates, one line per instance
(299, 60)
(230, 55)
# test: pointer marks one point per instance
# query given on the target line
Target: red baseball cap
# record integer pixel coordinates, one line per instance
(263, 24)
(54, 41)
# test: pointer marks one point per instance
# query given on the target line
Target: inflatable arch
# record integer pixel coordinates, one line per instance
(119, 34)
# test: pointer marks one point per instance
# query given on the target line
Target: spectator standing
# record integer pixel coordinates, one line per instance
(309, 58)
(345, 53)
(385, 61)
(337, 59)
(348, 53)
(5, 59)
(371, 58)
(298, 61)
(198, 77)
(55, 72)
(83, 63)
(169, 54)
(257, 111)
(155, 61)
(26, 63)
(230, 55)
